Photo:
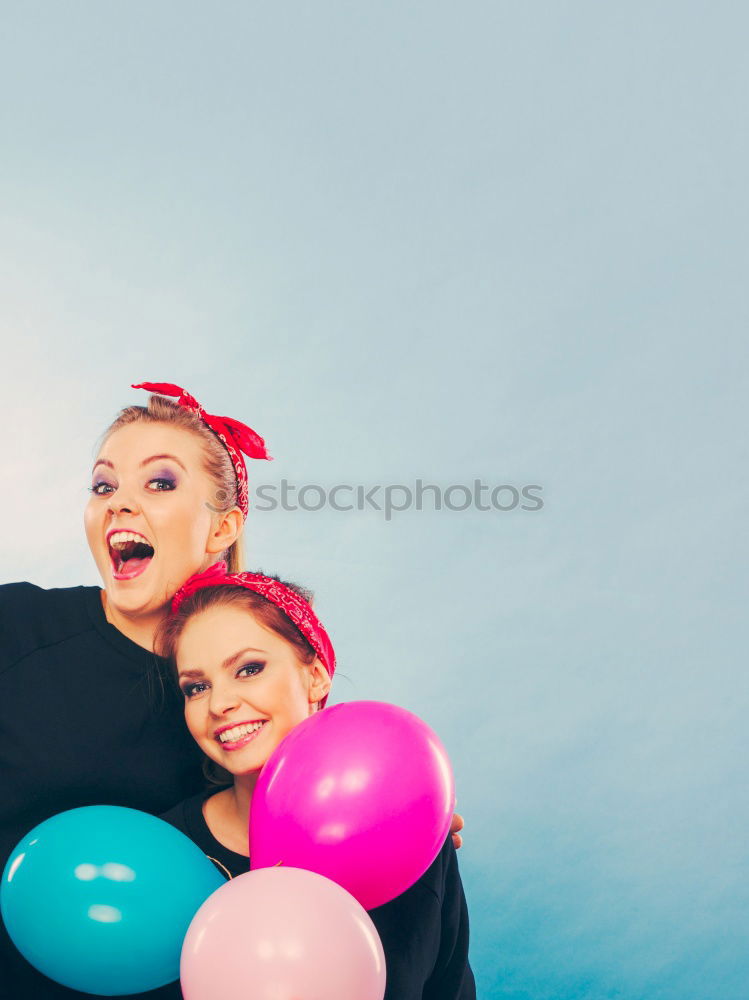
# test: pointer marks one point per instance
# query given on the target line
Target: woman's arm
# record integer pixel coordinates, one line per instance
(452, 977)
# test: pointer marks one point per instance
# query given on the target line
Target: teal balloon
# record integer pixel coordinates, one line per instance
(100, 898)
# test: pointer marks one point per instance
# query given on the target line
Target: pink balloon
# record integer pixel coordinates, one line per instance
(362, 793)
(282, 934)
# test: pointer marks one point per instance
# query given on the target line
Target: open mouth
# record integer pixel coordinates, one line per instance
(130, 553)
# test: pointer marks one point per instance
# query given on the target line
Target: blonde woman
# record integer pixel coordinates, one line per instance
(84, 717)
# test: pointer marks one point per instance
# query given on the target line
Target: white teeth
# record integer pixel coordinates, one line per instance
(230, 735)
(118, 539)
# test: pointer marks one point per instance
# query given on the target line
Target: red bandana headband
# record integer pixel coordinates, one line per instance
(292, 604)
(235, 436)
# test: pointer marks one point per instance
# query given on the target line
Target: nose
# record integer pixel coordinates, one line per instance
(123, 502)
(222, 699)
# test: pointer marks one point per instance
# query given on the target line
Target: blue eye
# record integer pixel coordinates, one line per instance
(190, 690)
(101, 488)
(251, 668)
(164, 484)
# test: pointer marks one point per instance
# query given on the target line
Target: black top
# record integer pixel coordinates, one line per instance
(424, 931)
(86, 718)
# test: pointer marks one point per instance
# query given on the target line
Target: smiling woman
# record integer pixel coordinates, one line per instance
(253, 661)
(168, 498)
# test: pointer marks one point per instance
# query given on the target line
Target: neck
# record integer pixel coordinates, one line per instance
(227, 813)
(141, 630)
(242, 792)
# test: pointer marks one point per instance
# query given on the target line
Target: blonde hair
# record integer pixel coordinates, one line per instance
(217, 463)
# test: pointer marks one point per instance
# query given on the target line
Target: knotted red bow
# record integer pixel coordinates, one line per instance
(236, 437)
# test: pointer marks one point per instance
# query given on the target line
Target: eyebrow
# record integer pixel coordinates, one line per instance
(229, 662)
(153, 458)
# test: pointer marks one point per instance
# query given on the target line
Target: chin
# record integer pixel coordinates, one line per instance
(133, 603)
(243, 770)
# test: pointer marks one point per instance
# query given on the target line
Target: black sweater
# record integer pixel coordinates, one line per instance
(85, 719)
(424, 931)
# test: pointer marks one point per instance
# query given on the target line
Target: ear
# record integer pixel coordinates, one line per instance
(319, 681)
(226, 528)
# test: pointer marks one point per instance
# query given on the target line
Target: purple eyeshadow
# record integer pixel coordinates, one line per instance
(166, 474)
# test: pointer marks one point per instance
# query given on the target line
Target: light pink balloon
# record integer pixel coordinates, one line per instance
(362, 793)
(282, 934)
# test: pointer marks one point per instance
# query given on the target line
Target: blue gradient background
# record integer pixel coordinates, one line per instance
(447, 242)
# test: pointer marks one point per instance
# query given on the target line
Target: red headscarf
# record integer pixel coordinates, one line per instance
(292, 604)
(235, 436)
